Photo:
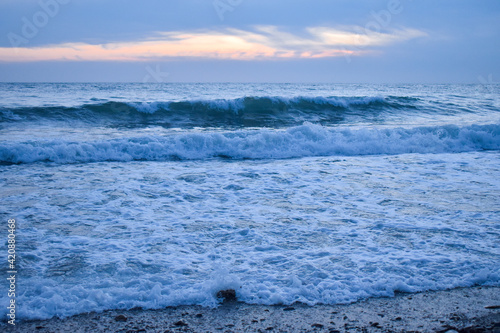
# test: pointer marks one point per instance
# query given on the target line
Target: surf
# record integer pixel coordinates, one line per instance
(295, 142)
(236, 112)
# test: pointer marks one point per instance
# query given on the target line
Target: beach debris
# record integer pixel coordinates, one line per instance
(120, 318)
(228, 295)
(289, 308)
(492, 307)
(180, 323)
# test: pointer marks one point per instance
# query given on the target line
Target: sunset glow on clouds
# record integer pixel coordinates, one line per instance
(264, 42)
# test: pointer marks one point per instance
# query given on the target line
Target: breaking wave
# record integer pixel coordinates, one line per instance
(238, 112)
(300, 141)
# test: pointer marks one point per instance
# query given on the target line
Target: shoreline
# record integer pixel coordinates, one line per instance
(474, 309)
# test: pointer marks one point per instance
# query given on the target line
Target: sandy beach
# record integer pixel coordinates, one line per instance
(474, 309)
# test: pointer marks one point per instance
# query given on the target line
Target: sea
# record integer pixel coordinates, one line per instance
(152, 195)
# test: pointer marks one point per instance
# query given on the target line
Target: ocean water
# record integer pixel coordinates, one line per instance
(157, 195)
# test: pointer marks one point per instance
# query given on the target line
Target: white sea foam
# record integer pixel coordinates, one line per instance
(315, 230)
(212, 190)
(301, 141)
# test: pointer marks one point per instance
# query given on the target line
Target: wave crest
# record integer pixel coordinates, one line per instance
(238, 112)
(301, 141)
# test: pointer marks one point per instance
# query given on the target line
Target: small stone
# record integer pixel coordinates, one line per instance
(398, 319)
(39, 327)
(289, 308)
(449, 329)
(199, 315)
(228, 295)
(254, 321)
(377, 325)
(317, 325)
(120, 318)
(269, 328)
(180, 323)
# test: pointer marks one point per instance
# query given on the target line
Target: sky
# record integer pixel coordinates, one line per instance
(338, 41)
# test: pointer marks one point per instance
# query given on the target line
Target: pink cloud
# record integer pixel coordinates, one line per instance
(264, 43)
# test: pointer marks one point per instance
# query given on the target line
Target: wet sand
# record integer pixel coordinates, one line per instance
(474, 309)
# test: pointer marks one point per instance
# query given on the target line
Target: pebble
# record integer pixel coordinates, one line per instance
(180, 323)
(228, 295)
(120, 318)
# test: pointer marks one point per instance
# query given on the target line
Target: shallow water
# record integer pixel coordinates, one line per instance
(151, 215)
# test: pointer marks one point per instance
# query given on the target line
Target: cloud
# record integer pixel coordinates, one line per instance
(264, 42)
